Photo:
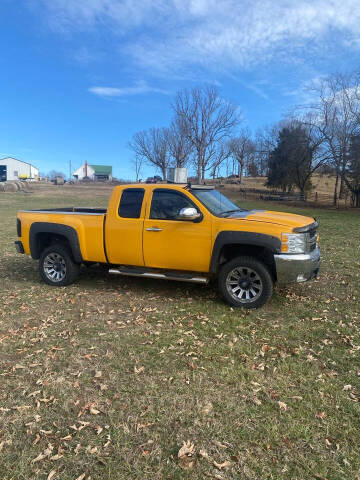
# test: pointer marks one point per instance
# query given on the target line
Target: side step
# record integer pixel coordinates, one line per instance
(180, 277)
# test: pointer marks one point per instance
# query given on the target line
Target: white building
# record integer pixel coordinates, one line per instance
(13, 169)
(93, 172)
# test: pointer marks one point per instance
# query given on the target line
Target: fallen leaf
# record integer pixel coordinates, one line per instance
(46, 453)
(91, 449)
(81, 477)
(219, 444)
(94, 411)
(56, 457)
(282, 406)
(51, 474)
(207, 408)
(77, 448)
(204, 454)
(33, 394)
(186, 455)
(187, 449)
(98, 374)
(220, 466)
(347, 387)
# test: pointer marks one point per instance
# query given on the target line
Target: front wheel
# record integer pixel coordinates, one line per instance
(57, 267)
(245, 282)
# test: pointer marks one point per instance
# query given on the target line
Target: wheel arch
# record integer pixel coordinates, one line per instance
(231, 244)
(44, 234)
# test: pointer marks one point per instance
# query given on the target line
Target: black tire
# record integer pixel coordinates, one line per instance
(245, 282)
(64, 272)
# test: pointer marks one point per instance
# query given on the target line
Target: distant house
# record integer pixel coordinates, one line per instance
(93, 172)
(14, 169)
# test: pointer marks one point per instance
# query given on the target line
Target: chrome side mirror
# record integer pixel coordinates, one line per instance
(189, 214)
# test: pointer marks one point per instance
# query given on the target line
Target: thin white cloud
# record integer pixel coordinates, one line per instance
(139, 88)
(171, 35)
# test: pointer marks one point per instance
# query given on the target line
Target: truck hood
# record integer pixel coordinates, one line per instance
(290, 220)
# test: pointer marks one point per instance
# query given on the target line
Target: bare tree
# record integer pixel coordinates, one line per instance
(151, 146)
(264, 143)
(55, 173)
(336, 115)
(241, 147)
(207, 119)
(220, 152)
(179, 144)
(318, 154)
(137, 164)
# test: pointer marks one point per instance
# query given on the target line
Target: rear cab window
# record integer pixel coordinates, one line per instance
(131, 202)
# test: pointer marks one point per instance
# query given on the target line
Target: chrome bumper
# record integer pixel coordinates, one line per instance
(297, 268)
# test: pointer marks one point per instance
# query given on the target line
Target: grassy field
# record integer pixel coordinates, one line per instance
(107, 378)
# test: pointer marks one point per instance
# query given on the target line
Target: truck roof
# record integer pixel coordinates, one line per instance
(175, 186)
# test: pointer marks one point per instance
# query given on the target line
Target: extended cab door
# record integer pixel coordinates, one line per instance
(173, 243)
(124, 228)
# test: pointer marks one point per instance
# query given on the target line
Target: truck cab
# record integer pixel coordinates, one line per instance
(183, 232)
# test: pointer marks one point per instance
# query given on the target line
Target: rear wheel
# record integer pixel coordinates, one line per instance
(245, 282)
(57, 267)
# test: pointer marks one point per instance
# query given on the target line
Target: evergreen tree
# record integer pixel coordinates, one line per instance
(290, 161)
(297, 155)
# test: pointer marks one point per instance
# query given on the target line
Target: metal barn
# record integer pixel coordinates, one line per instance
(14, 169)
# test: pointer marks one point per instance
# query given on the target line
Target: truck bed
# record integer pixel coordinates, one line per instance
(87, 222)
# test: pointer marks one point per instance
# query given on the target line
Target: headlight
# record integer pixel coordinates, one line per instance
(293, 242)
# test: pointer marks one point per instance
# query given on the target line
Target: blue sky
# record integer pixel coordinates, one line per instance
(79, 78)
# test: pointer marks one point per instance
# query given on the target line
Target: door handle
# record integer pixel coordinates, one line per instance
(154, 229)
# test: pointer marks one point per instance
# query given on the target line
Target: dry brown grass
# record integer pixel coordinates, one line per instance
(323, 184)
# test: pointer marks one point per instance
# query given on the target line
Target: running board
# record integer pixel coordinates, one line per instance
(180, 277)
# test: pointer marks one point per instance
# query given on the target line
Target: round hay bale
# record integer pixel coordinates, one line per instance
(19, 184)
(11, 187)
(2, 187)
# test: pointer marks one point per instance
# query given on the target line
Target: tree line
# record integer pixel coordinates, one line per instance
(207, 135)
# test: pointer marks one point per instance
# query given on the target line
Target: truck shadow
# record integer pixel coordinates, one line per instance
(23, 272)
(96, 275)
(18, 271)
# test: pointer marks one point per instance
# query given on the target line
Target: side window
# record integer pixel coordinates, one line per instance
(131, 202)
(166, 204)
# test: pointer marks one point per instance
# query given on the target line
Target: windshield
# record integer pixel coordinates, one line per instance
(216, 202)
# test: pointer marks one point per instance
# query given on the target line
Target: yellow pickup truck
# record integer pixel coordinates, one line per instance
(176, 232)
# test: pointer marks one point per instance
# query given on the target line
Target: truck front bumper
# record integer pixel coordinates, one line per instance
(297, 268)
